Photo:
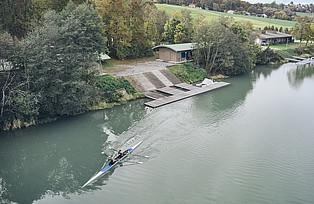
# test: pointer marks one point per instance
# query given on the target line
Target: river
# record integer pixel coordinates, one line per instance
(251, 142)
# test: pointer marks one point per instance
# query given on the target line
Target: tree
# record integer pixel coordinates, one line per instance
(59, 57)
(162, 18)
(115, 18)
(169, 30)
(18, 105)
(280, 29)
(303, 29)
(16, 16)
(221, 51)
(129, 26)
(179, 28)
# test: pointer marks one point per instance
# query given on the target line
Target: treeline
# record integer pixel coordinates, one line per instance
(279, 29)
(49, 50)
(274, 10)
(51, 71)
(304, 29)
(131, 27)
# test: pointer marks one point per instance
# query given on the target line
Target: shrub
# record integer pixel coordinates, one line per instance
(267, 56)
(188, 72)
(110, 87)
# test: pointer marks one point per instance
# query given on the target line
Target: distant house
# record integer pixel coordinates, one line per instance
(272, 37)
(175, 53)
(230, 12)
(246, 13)
(263, 15)
(192, 6)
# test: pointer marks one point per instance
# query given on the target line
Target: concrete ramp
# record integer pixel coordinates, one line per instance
(153, 80)
(141, 83)
(170, 76)
(162, 78)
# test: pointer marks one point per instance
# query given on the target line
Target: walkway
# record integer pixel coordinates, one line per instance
(180, 92)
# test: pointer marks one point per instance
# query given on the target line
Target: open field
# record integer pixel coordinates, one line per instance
(287, 50)
(305, 14)
(258, 22)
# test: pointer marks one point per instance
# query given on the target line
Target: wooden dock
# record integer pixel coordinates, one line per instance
(299, 58)
(292, 60)
(185, 92)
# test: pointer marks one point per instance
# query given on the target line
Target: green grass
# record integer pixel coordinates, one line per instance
(257, 22)
(305, 14)
(188, 72)
(286, 50)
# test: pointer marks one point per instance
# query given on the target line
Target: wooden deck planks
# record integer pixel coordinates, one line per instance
(170, 90)
(180, 96)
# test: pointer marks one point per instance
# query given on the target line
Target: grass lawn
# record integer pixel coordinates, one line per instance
(287, 50)
(305, 14)
(258, 22)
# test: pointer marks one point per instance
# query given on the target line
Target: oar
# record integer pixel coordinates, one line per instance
(111, 148)
(147, 157)
(135, 162)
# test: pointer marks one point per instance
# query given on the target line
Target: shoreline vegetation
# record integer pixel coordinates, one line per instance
(49, 62)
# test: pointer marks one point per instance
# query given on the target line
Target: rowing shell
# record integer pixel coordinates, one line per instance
(105, 169)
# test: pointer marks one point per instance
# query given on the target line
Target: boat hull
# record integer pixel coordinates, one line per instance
(108, 167)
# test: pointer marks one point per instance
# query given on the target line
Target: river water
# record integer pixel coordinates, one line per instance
(251, 142)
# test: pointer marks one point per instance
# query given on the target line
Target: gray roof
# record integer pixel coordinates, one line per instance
(273, 34)
(178, 47)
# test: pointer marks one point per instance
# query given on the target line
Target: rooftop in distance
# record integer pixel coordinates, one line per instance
(177, 47)
(273, 34)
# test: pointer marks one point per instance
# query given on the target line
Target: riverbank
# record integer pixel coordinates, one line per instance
(293, 49)
(112, 91)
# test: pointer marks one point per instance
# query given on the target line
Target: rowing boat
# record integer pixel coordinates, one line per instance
(109, 165)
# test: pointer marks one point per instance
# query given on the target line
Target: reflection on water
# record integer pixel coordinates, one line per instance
(55, 159)
(120, 119)
(62, 178)
(264, 70)
(297, 76)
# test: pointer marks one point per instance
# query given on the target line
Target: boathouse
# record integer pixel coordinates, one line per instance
(175, 53)
(273, 37)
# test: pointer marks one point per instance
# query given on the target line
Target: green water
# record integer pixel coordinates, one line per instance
(251, 142)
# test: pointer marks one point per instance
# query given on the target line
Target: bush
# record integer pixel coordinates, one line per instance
(188, 72)
(267, 56)
(305, 50)
(110, 88)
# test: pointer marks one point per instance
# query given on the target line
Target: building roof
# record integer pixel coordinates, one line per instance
(178, 47)
(272, 35)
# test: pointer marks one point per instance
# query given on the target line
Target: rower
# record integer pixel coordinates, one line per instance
(120, 155)
(110, 162)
